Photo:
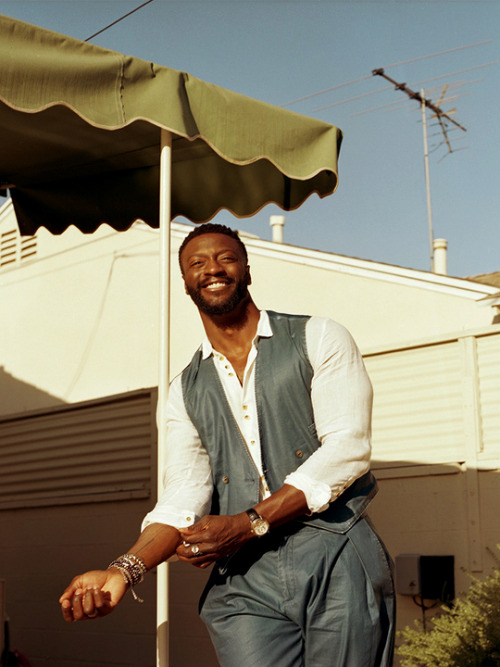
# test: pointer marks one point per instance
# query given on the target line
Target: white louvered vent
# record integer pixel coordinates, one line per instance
(15, 248)
(27, 248)
(80, 453)
(8, 247)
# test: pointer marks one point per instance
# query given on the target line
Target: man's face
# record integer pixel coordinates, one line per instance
(216, 275)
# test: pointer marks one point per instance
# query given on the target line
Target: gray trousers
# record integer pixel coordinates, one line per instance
(304, 597)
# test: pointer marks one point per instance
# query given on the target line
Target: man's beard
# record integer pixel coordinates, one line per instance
(223, 308)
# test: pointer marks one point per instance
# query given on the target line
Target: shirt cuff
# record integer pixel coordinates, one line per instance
(170, 517)
(318, 494)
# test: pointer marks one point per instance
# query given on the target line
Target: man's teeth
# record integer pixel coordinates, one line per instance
(215, 285)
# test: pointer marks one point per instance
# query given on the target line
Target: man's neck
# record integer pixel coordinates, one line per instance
(233, 332)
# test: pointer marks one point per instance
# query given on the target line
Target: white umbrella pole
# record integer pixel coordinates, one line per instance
(162, 629)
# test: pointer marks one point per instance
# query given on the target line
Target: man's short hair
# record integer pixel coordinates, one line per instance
(212, 228)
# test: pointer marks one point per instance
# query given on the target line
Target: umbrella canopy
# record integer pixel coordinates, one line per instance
(80, 132)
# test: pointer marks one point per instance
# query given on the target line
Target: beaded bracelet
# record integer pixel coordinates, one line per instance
(132, 569)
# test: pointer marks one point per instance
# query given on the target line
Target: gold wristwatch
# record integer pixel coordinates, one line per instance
(258, 524)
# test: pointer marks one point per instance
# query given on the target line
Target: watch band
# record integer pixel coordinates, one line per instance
(253, 515)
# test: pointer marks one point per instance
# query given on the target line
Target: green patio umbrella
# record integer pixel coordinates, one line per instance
(91, 136)
(81, 139)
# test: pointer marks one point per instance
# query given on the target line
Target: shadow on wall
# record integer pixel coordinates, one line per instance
(17, 396)
(438, 510)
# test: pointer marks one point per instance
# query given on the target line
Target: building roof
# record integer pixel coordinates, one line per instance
(487, 278)
(471, 288)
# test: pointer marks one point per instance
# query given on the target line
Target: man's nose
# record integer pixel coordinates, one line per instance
(213, 267)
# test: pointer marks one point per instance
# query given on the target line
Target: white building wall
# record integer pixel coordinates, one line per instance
(80, 319)
(436, 452)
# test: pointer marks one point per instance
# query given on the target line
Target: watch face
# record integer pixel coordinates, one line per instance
(260, 527)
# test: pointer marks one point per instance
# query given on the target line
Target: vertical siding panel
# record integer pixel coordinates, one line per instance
(488, 352)
(417, 412)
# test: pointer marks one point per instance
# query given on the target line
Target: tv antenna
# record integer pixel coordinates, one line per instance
(442, 117)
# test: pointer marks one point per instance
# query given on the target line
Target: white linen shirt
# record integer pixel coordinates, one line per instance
(341, 396)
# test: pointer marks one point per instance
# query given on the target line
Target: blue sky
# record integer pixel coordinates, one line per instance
(283, 50)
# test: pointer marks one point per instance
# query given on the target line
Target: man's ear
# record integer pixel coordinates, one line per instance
(249, 277)
(185, 286)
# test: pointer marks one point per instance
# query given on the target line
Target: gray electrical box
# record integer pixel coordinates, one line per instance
(430, 577)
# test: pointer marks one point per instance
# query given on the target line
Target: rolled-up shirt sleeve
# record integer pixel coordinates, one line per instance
(342, 403)
(187, 476)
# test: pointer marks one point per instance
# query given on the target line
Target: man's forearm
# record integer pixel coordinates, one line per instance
(217, 536)
(156, 544)
(284, 505)
(97, 592)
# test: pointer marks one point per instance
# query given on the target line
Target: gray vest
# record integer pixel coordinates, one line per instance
(283, 376)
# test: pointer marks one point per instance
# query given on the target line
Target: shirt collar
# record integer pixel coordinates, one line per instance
(263, 331)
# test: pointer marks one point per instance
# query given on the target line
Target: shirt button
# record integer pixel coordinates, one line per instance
(299, 453)
(245, 407)
(188, 518)
(231, 375)
(225, 479)
(252, 442)
(247, 416)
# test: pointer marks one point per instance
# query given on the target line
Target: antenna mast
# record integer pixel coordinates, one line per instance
(440, 114)
(427, 182)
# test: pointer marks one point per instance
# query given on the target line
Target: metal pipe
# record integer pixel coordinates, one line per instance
(277, 223)
(427, 180)
(441, 256)
(162, 629)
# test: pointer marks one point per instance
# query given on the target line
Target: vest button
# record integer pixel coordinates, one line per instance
(299, 453)
(225, 479)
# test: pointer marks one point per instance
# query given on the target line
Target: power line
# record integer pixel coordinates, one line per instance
(327, 90)
(440, 53)
(393, 106)
(418, 83)
(455, 84)
(349, 83)
(118, 20)
(352, 99)
(445, 76)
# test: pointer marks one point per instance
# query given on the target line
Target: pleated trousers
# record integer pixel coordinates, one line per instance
(304, 597)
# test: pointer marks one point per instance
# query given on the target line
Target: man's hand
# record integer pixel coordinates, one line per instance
(212, 538)
(92, 595)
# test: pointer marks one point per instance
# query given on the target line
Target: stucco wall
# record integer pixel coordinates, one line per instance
(81, 320)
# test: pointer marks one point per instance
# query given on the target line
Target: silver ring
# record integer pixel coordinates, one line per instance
(195, 549)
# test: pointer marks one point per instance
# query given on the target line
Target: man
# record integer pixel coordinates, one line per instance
(267, 476)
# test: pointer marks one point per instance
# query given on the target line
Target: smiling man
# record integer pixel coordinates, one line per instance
(219, 292)
(268, 479)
